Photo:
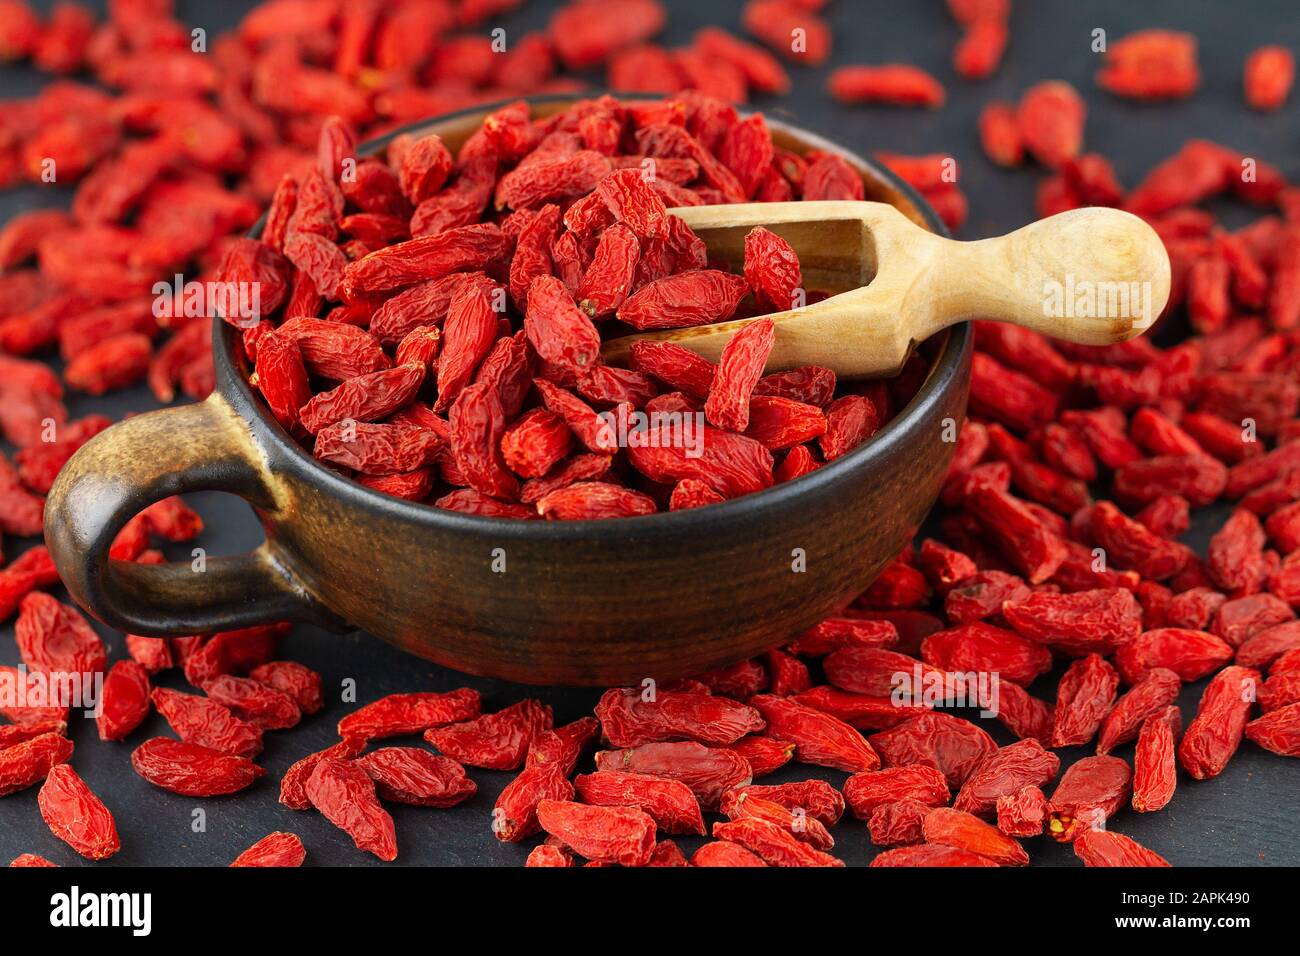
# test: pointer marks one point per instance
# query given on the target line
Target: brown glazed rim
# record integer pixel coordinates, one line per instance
(755, 507)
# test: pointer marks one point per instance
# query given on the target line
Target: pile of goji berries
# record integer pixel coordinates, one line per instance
(577, 233)
(1055, 542)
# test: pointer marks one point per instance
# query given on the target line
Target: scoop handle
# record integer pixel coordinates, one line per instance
(1094, 276)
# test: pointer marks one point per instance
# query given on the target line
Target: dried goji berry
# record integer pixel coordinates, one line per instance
(1108, 848)
(414, 776)
(708, 771)
(866, 792)
(202, 721)
(725, 853)
(773, 844)
(344, 793)
(739, 369)
(930, 854)
(1151, 65)
(1155, 773)
(274, 849)
(55, 638)
(27, 762)
(964, 831)
(1278, 730)
(1084, 696)
(895, 83)
(622, 835)
(1089, 793)
(498, 741)
(1022, 814)
(1022, 764)
(1215, 732)
(124, 702)
(670, 803)
(401, 714)
(76, 816)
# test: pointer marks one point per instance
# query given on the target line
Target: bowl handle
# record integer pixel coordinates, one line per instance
(126, 468)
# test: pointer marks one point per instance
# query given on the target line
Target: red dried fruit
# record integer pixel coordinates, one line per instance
(739, 369)
(983, 647)
(708, 771)
(985, 594)
(739, 805)
(953, 746)
(458, 249)
(594, 500)
(1151, 65)
(1269, 73)
(1278, 730)
(55, 638)
(1089, 793)
(413, 776)
(608, 281)
(930, 854)
(1085, 622)
(192, 770)
(1155, 771)
(1022, 764)
(1152, 694)
(690, 298)
(1084, 696)
(725, 853)
(773, 844)
(963, 831)
(670, 803)
(1240, 620)
(1032, 546)
(583, 41)
(896, 83)
(1000, 134)
(897, 824)
(559, 331)
(1189, 654)
(231, 652)
(76, 816)
(1266, 647)
(1022, 814)
(273, 850)
(32, 569)
(1108, 848)
(124, 702)
(547, 855)
(630, 718)
(790, 28)
(27, 762)
(866, 792)
(263, 706)
(1215, 732)
(497, 741)
(819, 738)
(1051, 117)
(980, 51)
(365, 398)
(1129, 544)
(299, 682)
(201, 721)
(344, 793)
(400, 714)
(621, 835)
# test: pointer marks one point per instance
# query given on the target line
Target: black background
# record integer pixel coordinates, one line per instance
(1245, 817)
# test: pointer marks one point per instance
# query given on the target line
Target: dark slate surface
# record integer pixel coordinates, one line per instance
(1246, 817)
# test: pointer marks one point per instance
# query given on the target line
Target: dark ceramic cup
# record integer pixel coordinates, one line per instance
(585, 603)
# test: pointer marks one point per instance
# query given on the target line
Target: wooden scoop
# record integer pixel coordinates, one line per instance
(1093, 276)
